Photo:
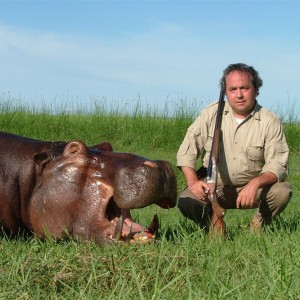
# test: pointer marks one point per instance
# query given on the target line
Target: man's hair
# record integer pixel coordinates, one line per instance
(256, 80)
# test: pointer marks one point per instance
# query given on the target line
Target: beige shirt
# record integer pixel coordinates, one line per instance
(255, 146)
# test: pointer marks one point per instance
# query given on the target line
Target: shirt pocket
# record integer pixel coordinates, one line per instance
(256, 158)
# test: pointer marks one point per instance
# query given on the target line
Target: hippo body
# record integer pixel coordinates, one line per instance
(59, 189)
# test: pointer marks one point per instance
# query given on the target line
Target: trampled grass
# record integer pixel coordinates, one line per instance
(184, 263)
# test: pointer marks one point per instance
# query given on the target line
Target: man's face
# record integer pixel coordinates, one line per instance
(240, 93)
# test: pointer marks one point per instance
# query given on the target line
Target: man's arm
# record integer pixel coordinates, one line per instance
(246, 197)
(196, 186)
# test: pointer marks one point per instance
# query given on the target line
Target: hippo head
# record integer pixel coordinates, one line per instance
(73, 189)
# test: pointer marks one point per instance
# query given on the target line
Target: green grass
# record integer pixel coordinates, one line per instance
(184, 263)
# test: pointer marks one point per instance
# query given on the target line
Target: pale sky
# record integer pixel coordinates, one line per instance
(155, 51)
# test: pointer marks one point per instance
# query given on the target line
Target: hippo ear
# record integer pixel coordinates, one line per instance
(75, 147)
(104, 146)
(41, 158)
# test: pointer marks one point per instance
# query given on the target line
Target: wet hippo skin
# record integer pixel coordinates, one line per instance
(60, 189)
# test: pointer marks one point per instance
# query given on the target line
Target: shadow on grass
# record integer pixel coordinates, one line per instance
(186, 228)
(21, 235)
(28, 237)
(181, 230)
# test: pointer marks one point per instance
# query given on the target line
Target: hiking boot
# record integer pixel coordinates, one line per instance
(257, 223)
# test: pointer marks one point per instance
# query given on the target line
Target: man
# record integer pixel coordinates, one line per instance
(253, 154)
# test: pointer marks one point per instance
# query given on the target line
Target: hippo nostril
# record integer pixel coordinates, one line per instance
(150, 164)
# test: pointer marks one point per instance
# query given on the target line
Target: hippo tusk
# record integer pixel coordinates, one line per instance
(118, 230)
(154, 225)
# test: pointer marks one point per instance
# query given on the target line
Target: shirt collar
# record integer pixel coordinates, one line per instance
(255, 113)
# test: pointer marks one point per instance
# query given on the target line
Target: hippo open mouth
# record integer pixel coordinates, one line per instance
(136, 182)
(125, 233)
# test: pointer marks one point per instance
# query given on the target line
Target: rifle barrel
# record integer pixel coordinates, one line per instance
(213, 159)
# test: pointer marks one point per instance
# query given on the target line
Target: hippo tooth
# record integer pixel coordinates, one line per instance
(118, 230)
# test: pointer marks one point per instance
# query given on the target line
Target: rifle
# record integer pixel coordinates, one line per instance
(217, 222)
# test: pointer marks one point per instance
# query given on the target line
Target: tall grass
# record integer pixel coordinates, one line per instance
(290, 117)
(184, 263)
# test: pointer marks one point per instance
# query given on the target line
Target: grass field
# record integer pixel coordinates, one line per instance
(184, 263)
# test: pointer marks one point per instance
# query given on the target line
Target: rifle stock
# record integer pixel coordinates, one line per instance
(217, 223)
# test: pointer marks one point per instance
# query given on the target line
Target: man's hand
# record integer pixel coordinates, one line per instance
(246, 197)
(200, 189)
(197, 186)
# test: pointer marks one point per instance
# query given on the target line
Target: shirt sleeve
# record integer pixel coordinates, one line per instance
(187, 154)
(276, 151)
(195, 140)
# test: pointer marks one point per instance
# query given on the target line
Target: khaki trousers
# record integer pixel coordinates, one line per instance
(271, 201)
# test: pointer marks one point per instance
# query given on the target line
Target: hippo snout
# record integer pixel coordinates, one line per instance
(145, 183)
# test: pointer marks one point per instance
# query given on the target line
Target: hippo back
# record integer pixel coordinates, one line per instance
(18, 177)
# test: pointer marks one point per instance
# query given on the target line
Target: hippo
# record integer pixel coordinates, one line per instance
(59, 189)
